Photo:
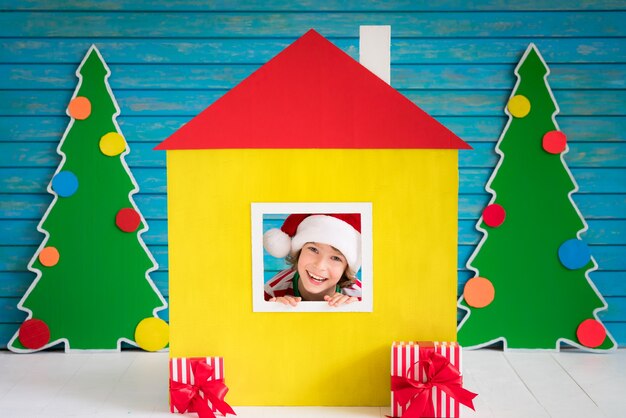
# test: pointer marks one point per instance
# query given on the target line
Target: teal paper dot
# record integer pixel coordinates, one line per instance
(65, 183)
(574, 254)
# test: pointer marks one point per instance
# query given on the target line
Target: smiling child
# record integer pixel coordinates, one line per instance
(324, 251)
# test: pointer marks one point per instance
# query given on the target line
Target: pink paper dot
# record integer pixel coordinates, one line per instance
(554, 142)
(591, 333)
(494, 215)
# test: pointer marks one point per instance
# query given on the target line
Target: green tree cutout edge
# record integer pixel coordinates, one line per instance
(100, 289)
(538, 303)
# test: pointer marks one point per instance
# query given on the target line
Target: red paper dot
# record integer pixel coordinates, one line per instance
(494, 215)
(79, 108)
(554, 142)
(34, 334)
(127, 220)
(591, 333)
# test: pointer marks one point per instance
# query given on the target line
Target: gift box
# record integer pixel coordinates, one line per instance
(197, 385)
(426, 380)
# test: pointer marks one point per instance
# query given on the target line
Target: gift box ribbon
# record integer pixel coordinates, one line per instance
(439, 373)
(193, 397)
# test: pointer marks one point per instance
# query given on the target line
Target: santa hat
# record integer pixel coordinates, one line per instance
(342, 231)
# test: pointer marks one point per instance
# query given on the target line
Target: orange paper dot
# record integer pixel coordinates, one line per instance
(591, 333)
(49, 256)
(519, 106)
(478, 292)
(79, 108)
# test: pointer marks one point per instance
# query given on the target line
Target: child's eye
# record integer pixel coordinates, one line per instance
(335, 258)
(315, 250)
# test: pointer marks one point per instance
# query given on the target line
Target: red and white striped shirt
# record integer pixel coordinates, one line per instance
(282, 285)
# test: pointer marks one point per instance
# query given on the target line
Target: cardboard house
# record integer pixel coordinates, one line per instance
(314, 126)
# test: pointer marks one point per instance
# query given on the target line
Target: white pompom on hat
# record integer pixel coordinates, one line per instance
(342, 231)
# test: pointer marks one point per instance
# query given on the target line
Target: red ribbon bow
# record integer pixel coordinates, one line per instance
(439, 373)
(193, 398)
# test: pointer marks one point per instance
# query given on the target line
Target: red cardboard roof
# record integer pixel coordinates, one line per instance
(312, 95)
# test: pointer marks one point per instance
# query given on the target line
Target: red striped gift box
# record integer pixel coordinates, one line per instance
(405, 356)
(181, 371)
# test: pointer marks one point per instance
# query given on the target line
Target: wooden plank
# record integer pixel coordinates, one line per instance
(592, 206)
(15, 283)
(603, 378)
(6, 333)
(33, 206)
(154, 206)
(608, 283)
(212, 76)
(7, 330)
(23, 180)
(608, 257)
(435, 102)
(36, 179)
(142, 154)
(590, 180)
(16, 257)
(156, 128)
(9, 313)
(24, 232)
(243, 24)
(616, 311)
(260, 50)
(610, 231)
(552, 386)
(618, 331)
(306, 5)
(598, 229)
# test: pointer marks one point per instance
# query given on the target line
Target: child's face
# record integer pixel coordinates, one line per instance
(320, 267)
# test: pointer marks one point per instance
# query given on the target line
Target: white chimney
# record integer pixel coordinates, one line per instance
(375, 50)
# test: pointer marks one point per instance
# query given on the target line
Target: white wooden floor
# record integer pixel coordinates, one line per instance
(568, 384)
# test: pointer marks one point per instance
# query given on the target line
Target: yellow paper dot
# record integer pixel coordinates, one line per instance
(112, 144)
(152, 334)
(519, 106)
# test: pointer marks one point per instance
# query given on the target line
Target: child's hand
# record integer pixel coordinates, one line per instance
(339, 299)
(287, 300)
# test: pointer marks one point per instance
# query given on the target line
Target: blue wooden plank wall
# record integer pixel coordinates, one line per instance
(170, 59)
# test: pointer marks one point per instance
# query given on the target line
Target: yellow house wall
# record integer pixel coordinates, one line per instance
(310, 358)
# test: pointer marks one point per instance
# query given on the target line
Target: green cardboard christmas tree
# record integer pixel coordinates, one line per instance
(531, 288)
(93, 289)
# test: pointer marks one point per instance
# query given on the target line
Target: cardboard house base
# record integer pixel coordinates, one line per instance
(312, 125)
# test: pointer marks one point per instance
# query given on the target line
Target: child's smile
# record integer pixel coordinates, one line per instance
(315, 278)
